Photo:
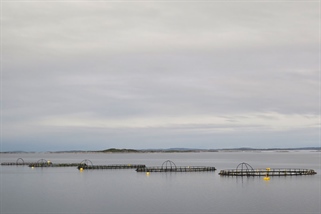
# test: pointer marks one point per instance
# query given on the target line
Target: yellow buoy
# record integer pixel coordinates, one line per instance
(81, 169)
(266, 178)
(147, 173)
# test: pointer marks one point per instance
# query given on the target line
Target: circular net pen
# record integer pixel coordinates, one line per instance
(85, 164)
(170, 166)
(41, 163)
(245, 169)
(20, 161)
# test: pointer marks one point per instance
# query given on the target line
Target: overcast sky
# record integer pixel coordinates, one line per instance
(92, 75)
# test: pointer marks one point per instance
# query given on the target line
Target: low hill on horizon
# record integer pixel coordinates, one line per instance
(168, 150)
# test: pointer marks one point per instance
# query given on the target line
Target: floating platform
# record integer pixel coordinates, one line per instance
(45, 163)
(169, 166)
(117, 166)
(39, 163)
(87, 165)
(19, 162)
(271, 172)
(16, 164)
(244, 169)
(177, 169)
(53, 164)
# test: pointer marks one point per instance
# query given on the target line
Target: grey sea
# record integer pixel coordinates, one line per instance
(121, 191)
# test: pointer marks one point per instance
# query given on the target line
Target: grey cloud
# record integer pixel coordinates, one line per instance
(67, 28)
(144, 59)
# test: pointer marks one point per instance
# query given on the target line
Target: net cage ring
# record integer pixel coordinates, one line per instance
(244, 167)
(43, 162)
(169, 165)
(20, 160)
(85, 162)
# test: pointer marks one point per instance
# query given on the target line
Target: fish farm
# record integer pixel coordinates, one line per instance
(85, 164)
(170, 166)
(244, 169)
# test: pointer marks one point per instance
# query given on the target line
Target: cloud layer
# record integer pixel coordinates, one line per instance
(155, 74)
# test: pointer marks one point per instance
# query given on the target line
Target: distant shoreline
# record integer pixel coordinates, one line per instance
(175, 150)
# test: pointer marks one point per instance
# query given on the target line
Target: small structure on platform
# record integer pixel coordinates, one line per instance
(244, 169)
(170, 166)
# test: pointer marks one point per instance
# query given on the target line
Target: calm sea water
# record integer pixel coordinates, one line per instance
(67, 190)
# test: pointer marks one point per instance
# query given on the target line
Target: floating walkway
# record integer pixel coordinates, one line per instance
(19, 162)
(169, 166)
(177, 169)
(16, 164)
(118, 166)
(244, 169)
(87, 165)
(39, 163)
(54, 165)
(45, 163)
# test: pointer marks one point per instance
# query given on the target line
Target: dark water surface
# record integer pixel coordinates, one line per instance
(67, 190)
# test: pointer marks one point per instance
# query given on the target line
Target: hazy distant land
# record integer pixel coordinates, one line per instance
(176, 150)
